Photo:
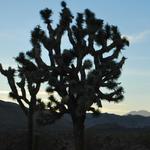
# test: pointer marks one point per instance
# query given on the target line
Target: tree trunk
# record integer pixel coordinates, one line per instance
(30, 130)
(78, 131)
(31, 124)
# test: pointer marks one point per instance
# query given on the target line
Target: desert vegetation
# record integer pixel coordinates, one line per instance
(95, 140)
(84, 74)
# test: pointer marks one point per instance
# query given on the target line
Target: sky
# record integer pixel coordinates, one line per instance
(18, 18)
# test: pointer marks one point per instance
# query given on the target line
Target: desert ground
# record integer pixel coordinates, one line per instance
(58, 136)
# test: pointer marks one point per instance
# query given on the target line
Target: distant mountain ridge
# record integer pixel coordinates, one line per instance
(144, 113)
(11, 117)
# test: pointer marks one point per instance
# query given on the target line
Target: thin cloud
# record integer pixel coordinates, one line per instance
(136, 38)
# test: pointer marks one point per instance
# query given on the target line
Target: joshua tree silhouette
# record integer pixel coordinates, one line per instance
(28, 77)
(80, 80)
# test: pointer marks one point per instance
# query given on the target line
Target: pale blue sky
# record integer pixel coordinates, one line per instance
(132, 17)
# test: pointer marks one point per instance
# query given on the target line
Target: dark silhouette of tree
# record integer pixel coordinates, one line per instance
(31, 78)
(28, 75)
(82, 75)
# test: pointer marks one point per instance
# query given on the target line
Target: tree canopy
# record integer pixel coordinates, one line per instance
(83, 75)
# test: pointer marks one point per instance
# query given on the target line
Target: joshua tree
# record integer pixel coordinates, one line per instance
(28, 74)
(31, 78)
(82, 75)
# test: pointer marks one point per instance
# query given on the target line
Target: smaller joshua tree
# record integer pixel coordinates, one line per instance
(30, 82)
(31, 78)
(78, 80)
